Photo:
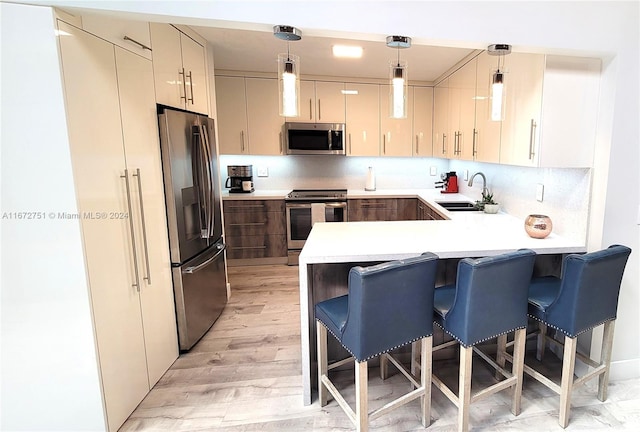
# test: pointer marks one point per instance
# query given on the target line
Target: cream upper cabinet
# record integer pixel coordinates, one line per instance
(321, 102)
(551, 110)
(363, 120)
(423, 121)
(487, 131)
(114, 147)
(179, 69)
(330, 102)
(396, 134)
(131, 35)
(231, 101)
(462, 92)
(441, 119)
(263, 120)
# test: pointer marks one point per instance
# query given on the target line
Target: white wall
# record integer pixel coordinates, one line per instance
(49, 372)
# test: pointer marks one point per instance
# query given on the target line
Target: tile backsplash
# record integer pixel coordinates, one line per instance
(566, 190)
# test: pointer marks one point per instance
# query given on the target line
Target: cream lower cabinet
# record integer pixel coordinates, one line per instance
(551, 112)
(179, 69)
(396, 134)
(363, 120)
(113, 136)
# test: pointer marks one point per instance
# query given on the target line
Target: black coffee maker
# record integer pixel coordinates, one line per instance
(240, 179)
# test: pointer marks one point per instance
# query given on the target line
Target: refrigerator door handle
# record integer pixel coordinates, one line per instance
(203, 196)
(190, 270)
(208, 161)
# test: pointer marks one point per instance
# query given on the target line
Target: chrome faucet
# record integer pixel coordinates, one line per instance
(484, 182)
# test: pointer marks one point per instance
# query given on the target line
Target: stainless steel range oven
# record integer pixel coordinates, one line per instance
(305, 207)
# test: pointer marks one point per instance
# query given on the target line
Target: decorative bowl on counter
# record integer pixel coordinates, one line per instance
(538, 226)
(491, 208)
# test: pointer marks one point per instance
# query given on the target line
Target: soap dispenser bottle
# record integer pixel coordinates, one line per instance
(370, 185)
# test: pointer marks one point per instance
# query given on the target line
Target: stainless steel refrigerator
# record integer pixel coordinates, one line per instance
(192, 191)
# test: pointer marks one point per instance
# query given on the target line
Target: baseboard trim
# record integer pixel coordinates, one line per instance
(624, 370)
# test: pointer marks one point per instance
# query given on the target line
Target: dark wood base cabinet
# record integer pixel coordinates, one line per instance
(391, 209)
(255, 229)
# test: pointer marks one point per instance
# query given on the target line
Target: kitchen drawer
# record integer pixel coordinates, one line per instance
(257, 246)
(244, 206)
(373, 209)
(254, 223)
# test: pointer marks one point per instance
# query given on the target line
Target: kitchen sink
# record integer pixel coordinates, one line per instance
(458, 205)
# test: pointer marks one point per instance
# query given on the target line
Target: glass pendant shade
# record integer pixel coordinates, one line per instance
(398, 90)
(497, 96)
(289, 85)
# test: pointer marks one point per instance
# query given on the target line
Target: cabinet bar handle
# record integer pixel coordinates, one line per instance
(532, 135)
(246, 206)
(247, 224)
(242, 141)
(133, 235)
(350, 147)
(281, 143)
(444, 149)
(310, 109)
(143, 46)
(184, 85)
(144, 227)
(319, 111)
(190, 87)
(384, 144)
(475, 134)
(417, 144)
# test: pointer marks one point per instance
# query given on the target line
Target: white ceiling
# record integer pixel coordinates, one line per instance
(256, 51)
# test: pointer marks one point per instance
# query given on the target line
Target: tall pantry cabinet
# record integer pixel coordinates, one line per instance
(115, 154)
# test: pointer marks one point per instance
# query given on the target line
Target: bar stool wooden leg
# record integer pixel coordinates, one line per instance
(566, 384)
(605, 359)
(362, 413)
(415, 349)
(384, 366)
(541, 341)
(426, 345)
(501, 349)
(321, 333)
(518, 368)
(464, 388)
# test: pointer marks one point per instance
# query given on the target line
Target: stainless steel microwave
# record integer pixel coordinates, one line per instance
(315, 138)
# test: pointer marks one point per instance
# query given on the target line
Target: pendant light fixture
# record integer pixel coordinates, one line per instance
(398, 77)
(497, 93)
(288, 73)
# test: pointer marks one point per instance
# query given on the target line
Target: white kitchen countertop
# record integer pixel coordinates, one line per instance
(255, 195)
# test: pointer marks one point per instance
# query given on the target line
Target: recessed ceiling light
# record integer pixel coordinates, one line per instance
(349, 92)
(347, 51)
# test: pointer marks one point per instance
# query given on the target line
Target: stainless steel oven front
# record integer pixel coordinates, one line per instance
(300, 219)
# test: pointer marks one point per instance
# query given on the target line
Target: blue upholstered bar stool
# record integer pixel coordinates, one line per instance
(585, 296)
(385, 309)
(488, 299)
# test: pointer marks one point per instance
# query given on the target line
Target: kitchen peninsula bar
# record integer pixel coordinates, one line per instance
(333, 248)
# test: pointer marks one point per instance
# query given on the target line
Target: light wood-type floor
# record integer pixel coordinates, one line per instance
(245, 375)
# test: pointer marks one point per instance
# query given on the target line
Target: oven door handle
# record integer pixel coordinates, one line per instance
(336, 204)
(298, 205)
